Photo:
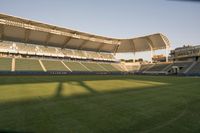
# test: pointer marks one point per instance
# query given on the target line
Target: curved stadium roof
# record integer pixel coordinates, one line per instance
(27, 31)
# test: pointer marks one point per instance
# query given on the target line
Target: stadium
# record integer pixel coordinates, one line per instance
(55, 79)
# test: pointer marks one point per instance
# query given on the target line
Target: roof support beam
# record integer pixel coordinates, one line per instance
(166, 54)
(1, 32)
(82, 44)
(100, 47)
(167, 46)
(116, 47)
(66, 42)
(150, 43)
(166, 41)
(48, 37)
(132, 43)
(26, 35)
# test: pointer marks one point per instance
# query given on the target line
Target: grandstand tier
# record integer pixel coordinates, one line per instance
(39, 50)
(16, 64)
(42, 65)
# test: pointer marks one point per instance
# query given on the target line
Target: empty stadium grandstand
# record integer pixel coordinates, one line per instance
(42, 48)
(36, 47)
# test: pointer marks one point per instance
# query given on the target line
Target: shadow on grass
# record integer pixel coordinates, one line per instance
(55, 111)
(10, 131)
(59, 90)
(57, 105)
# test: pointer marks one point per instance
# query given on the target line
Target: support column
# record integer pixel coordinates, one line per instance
(150, 43)
(1, 32)
(151, 55)
(132, 44)
(166, 54)
(133, 56)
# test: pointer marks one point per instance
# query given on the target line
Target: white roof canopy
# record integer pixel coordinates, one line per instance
(27, 31)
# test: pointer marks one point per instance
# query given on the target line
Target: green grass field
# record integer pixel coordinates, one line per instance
(99, 104)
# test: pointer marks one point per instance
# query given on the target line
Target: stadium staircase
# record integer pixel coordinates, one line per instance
(75, 66)
(43, 68)
(13, 65)
(183, 65)
(168, 67)
(195, 69)
(54, 65)
(66, 66)
(190, 67)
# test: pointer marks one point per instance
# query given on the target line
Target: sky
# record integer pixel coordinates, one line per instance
(179, 20)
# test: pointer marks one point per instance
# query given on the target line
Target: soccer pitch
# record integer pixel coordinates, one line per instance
(99, 104)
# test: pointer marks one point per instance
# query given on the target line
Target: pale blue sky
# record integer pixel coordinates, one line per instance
(178, 20)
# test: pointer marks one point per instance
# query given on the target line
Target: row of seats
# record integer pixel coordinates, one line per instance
(31, 49)
(22, 64)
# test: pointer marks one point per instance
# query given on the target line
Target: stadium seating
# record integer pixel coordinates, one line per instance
(83, 60)
(182, 65)
(25, 48)
(5, 64)
(27, 65)
(158, 67)
(75, 66)
(47, 51)
(67, 53)
(195, 69)
(93, 55)
(107, 56)
(80, 54)
(109, 67)
(95, 67)
(145, 67)
(118, 66)
(132, 68)
(39, 50)
(54, 65)
(7, 47)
